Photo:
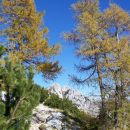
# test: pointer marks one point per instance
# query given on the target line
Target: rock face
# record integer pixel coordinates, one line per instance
(45, 118)
(82, 102)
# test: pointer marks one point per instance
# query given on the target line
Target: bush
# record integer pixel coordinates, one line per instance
(2, 108)
(43, 95)
(54, 101)
(42, 92)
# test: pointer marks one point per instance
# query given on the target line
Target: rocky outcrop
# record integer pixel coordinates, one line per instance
(45, 118)
(82, 102)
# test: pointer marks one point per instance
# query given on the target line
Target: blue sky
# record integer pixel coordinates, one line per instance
(59, 18)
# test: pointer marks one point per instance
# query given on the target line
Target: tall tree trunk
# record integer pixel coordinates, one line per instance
(116, 108)
(102, 92)
(7, 102)
(118, 98)
(118, 87)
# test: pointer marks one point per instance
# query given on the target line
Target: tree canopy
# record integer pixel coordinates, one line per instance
(102, 39)
(26, 37)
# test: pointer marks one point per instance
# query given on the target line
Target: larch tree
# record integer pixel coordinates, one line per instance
(97, 41)
(23, 39)
(26, 37)
(88, 36)
(118, 22)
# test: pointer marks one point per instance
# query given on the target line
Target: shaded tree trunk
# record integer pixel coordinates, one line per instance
(102, 92)
(7, 102)
(116, 108)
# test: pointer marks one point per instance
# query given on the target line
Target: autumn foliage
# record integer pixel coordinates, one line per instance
(102, 41)
(27, 37)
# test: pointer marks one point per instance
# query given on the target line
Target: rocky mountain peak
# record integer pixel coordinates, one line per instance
(81, 101)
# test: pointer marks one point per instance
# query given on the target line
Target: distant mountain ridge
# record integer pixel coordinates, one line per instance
(81, 101)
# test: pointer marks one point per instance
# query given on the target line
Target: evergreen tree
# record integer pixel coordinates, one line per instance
(21, 96)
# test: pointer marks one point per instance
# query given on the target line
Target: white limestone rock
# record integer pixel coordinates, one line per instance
(3, 95)
(50, 118)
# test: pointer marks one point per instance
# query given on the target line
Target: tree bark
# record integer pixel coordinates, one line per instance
(102, 91)
(7, 102)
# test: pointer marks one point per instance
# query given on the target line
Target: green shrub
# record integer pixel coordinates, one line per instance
(2, 108)
(43, 95)
(54, 101)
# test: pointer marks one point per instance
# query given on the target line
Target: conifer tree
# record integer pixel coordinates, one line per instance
(21, 96)
(27, 37)
(97, 41)
(88, 35)
(26, 42)
(119, 64)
